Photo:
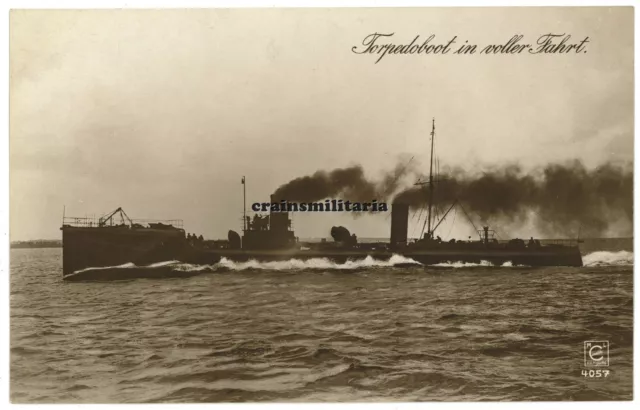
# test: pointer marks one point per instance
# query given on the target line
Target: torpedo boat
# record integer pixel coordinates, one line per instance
(108, 248)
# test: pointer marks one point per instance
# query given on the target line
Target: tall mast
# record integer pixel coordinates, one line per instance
(433, 134)
(244, 205)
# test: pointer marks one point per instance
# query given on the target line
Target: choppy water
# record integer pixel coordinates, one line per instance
(319, 332)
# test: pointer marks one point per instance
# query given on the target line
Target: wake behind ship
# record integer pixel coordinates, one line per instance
(115, 240)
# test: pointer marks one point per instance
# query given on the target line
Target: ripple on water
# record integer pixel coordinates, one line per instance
(323, 334)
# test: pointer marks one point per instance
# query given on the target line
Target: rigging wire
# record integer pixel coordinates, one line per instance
(413, 218)
(469, 219)
(418, 221)
(424, 226)
(413, 231)
(455, 211)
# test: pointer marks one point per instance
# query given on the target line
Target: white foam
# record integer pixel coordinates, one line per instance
(298, 264)
(482, 264)
(160, 264)
(463, 264)
(599, 258)
(127, 265)
(605, 258)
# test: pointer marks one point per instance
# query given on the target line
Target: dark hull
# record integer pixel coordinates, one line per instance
(545, 256)
(97, 247)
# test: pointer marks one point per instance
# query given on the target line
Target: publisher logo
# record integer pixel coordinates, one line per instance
(596, 353)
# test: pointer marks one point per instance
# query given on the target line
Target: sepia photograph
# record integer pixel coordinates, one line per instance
(416, 204)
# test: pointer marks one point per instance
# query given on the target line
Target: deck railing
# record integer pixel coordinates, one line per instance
(565, 242)
(96, 222)
(542, 242)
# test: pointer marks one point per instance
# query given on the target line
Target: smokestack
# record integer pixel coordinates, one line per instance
(399, 224)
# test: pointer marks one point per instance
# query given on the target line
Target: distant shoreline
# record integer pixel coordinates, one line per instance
(40, 243)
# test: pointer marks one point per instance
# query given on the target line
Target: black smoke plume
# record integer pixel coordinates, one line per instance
(559, 198)
(345, 183)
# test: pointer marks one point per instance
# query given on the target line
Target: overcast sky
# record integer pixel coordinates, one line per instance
(162, 112)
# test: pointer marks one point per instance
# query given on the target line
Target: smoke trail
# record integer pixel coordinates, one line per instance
(347, 183)
(562, 197)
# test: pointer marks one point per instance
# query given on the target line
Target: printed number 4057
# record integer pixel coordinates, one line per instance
(595, 373)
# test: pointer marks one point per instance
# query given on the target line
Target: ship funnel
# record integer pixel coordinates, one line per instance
(399, 224)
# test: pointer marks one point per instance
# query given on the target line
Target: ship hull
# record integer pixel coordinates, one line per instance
(100, 247)
(563, 256)
(566, 256)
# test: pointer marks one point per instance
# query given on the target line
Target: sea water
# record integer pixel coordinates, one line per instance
(319, 331)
